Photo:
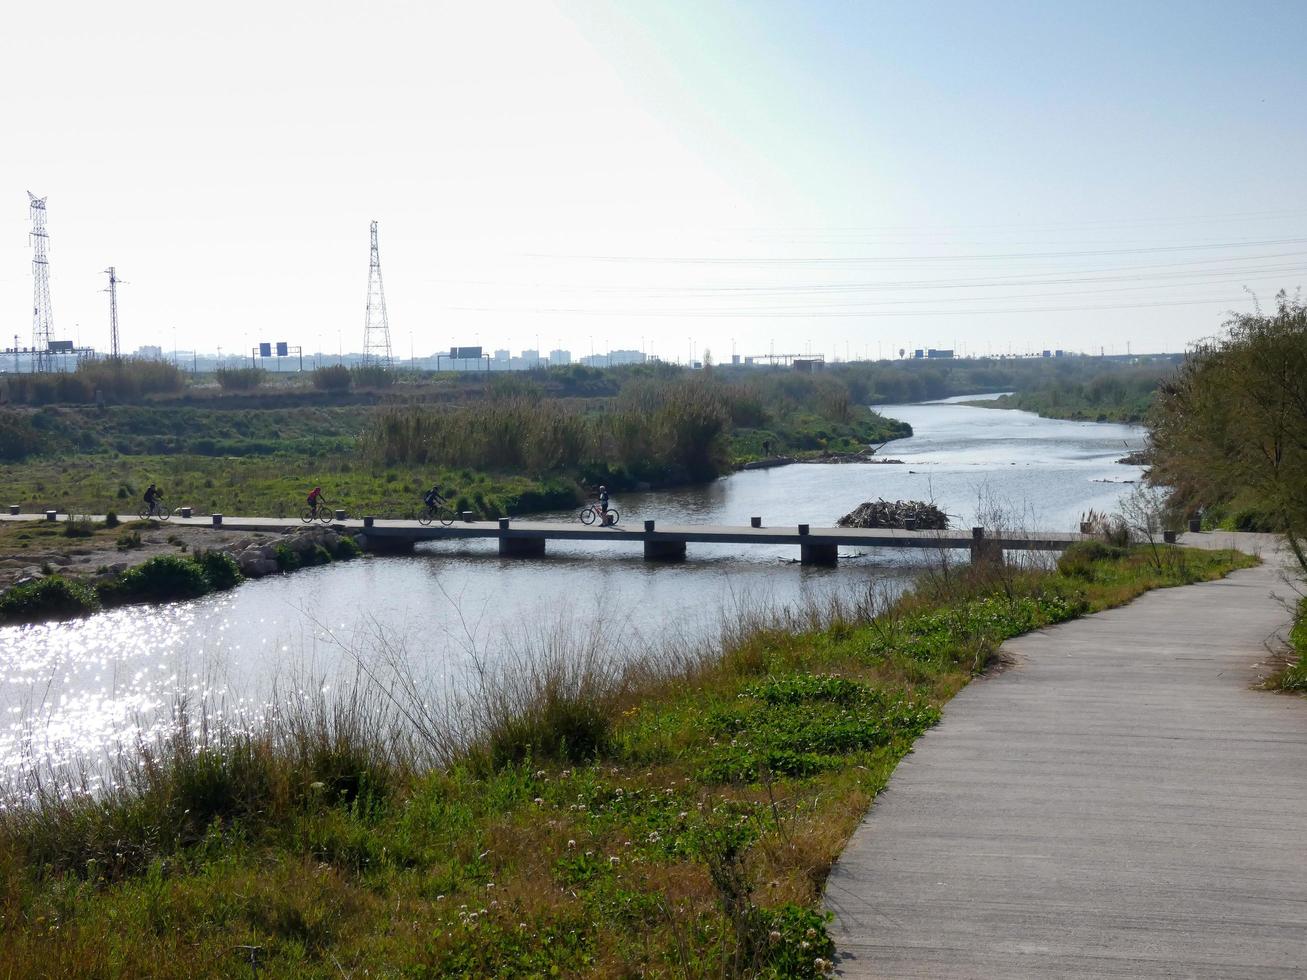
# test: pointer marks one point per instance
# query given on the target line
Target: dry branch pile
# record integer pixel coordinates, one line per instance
(884, 513)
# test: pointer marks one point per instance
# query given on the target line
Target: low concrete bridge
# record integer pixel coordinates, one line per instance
(661, 542)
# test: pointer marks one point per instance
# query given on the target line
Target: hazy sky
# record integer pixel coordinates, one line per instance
(844, 178)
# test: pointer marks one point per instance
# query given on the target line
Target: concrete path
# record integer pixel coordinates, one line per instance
(1117, 803)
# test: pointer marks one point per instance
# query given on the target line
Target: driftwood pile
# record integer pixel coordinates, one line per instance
(884, 513)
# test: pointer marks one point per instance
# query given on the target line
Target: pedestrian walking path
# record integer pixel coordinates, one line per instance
(1117, 802)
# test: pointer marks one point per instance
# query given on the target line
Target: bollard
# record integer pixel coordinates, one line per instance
(909, 523)
(369, 521)
(803, 528)
(648, 525)
(503, 524)
(51, 515)
(186, 512)
(468, 517)
(13, 508)
(755, 522)
(340, 515)
(217, 520)
(1169, 537)
(1195, 525)
(977, 533)
(1086, 527)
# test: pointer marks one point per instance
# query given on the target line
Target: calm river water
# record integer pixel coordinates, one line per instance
(76, 690)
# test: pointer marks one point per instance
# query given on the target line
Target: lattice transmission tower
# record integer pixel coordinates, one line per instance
(42, 313)
(113, 311)
(376, 330)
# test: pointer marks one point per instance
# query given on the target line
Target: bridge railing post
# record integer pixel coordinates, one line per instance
(13, 508)
(369, 521)
(803, 528)
(186, 512)
(217, 520)
(755, 522)
(503, 524)
(649, 525)
(51, 515)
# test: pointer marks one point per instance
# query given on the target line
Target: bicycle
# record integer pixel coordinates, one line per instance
(606, 518)
(440, 512)
(320, 513)
(159, 511)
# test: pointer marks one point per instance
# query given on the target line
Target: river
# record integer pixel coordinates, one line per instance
(74, 691)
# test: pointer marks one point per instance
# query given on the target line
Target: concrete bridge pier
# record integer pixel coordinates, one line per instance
(985, 551)
(664, 550)
(385, 546)
(819, 554)
(521, 547)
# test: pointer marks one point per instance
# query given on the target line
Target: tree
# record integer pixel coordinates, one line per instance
(1231, 425)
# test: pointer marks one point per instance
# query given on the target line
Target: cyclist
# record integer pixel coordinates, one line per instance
(315, 498)
(152, 497)
(603, 505)
(432, 497)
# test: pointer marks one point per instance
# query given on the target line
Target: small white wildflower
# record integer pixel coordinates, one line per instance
(539, 801)
(571, 843)
(614, 860)
(774, 936)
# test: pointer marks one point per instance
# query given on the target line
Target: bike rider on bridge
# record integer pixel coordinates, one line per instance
(152, 497)
(316, 498)
(432, 497)
(603, 505)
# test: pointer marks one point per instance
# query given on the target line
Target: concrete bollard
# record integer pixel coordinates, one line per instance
(803, 528)
(468, 517)
(1195, 525)
(186, 512)
(369, 521)
(755, 522)
(1169, 537)
(977, 533)
(51, 515)
(340, 515)
(909, 523)
(217, 520)
(13, 508)
(503, 524)
(648, 525)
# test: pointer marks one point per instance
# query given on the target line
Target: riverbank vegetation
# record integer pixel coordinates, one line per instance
(1120, 393)
(671, 812)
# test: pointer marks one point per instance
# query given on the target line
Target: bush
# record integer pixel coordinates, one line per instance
(333, 378)
(162, 577)
(78, 527)
(372, 376)
(347, 548)
(220, 569)
(240, 379)
(129, 540)
(111, 519)
(48, 598)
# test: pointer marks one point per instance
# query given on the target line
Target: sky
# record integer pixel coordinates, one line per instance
(841, 178)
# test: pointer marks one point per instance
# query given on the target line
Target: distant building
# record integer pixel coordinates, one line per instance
(807, 365)
(150, 352)
(626, 357)
(560, 357)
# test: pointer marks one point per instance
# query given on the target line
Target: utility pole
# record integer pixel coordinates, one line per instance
(114, 353)
(376, 328)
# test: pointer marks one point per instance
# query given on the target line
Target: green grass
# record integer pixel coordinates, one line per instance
(676, 818)
(1293, 676)
(273, 486)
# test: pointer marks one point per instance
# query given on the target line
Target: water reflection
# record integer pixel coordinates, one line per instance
(73, 691)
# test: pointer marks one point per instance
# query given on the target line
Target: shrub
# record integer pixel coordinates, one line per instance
(220, 569)
(372, 376)
(240, 379)
(128, 540)
(111, 519)
(347, 548)
(333, 378)
(78, 527)
(48, 598)
(162, 577)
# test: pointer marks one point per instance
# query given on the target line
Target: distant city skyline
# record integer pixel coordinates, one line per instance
(670, 178)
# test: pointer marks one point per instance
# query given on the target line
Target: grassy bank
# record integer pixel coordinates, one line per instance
(1293, 676)
(675, 817)
(273, 486)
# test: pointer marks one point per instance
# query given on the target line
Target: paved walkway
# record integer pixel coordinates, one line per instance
(1117, 803)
